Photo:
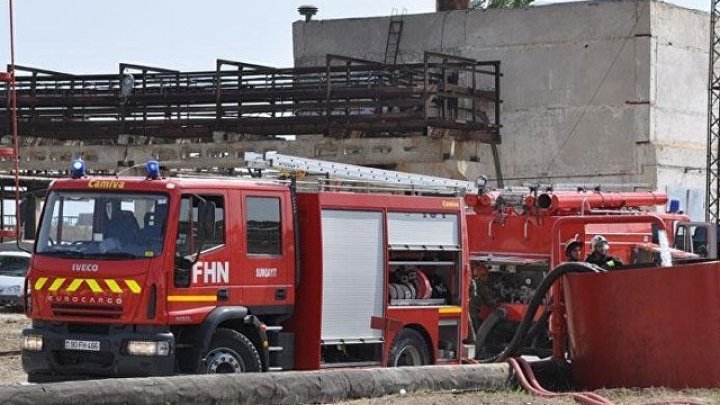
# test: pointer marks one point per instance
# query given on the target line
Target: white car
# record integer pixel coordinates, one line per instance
(13, 268)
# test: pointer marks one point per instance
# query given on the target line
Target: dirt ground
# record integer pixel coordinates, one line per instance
(11, 325)
(11, 373)
(631, 397)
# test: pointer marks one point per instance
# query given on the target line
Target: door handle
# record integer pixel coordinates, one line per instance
(223, 294)
(280, 294)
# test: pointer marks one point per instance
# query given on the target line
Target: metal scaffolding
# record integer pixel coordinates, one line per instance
(442, 96)
(712, 196)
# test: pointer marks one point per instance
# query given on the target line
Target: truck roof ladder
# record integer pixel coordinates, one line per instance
(404, 181)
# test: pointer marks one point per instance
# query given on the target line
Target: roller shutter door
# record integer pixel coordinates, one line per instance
(353, 274)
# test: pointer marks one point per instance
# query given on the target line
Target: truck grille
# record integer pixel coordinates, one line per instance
(108, 311)
(88, 329)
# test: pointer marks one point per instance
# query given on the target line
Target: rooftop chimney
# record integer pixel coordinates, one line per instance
(307, 11)
(449, 5)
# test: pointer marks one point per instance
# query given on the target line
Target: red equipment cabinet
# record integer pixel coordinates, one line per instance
(393, 219)
(115, 290)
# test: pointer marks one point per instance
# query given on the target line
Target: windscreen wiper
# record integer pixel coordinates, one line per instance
(65, 253)
(118, 255)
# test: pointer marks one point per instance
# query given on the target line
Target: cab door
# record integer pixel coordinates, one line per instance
(207, 280)
(268, 250)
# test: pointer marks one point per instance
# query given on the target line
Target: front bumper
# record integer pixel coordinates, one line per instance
(111, 360)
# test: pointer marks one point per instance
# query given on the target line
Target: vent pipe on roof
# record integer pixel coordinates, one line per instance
(449, 5)
(308, 11)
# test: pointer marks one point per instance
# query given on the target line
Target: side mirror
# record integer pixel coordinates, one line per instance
(203, 230)
(205, 223)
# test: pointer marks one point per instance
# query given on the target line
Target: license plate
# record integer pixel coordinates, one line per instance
(86, 345)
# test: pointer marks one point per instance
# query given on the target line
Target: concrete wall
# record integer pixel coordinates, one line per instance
(594, 92)
(678, 101)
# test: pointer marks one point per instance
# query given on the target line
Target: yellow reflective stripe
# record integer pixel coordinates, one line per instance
(56, 284)
(113, 286)
(133, 286)
(450, 310)
(192, 298)
(94, 286)
(74, 285)
(39, 283)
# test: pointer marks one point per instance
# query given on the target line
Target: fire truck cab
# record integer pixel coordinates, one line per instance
(152, 276)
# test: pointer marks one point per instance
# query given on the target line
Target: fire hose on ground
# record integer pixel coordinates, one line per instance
(522, 369)
(527, 379)
(513, 348)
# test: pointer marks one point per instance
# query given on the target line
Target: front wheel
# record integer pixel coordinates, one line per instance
(409, 348)
(231, 352)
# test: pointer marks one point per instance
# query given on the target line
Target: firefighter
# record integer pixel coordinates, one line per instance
(573, 248)
(600, 254)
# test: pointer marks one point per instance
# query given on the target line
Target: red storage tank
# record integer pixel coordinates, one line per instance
(645, 327)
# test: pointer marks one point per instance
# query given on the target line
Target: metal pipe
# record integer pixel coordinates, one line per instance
(578, 201)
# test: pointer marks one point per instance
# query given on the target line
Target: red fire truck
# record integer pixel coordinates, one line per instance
(140, 276)
(520, 236)
(154, 276)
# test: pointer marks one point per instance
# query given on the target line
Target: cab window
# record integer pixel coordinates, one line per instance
(187, 228)
(262, 226)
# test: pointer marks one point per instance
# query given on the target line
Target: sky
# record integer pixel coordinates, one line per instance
(93, 36)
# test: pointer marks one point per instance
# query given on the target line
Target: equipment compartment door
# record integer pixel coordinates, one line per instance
(414, 229)
(353, 274)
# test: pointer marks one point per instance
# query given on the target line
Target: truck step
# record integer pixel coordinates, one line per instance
(275, 349)
(275, 369)
(273, 328)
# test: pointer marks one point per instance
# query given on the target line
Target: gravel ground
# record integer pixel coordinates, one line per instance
(632, 397)
(11, 373)
(10, 327)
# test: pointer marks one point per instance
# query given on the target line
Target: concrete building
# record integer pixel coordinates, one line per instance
(602, 92)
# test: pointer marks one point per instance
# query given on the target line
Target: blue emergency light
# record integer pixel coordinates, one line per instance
(77, 168)
(153, 169)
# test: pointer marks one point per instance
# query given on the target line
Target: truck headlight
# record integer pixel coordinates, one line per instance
(148, 348)
(32, 343)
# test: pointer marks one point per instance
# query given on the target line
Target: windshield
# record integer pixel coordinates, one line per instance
(16, 266)
(103, 225)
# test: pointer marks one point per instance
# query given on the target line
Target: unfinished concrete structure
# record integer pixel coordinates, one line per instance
(607, 92)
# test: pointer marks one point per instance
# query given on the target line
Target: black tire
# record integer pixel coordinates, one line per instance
(409, 348)
(231, 352)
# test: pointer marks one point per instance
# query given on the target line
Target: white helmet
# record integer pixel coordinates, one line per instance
(597, 240)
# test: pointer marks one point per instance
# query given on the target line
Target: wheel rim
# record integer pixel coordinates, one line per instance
(223, 360)
(408, 356)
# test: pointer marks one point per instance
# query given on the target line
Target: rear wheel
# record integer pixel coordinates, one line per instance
(409, 348)
(231, 352)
